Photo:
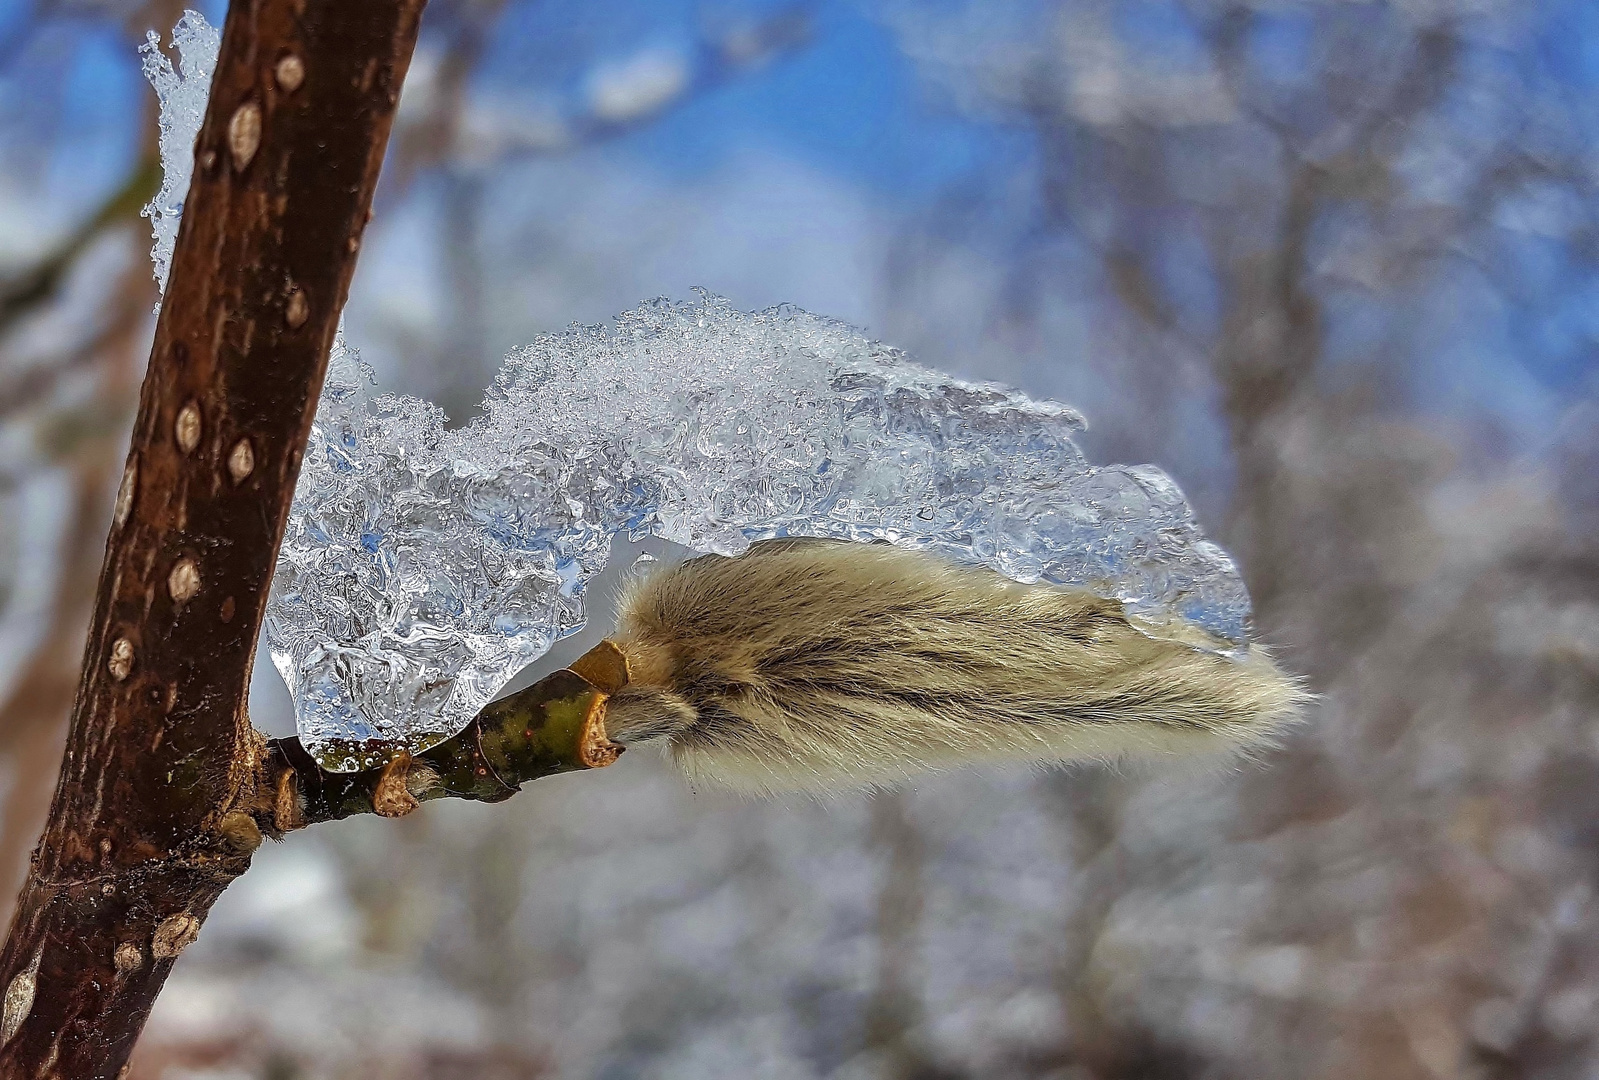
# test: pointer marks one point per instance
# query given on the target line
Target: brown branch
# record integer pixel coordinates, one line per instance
(159, 750)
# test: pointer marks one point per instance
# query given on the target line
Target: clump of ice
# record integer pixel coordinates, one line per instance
(422, 567)
(182, 92)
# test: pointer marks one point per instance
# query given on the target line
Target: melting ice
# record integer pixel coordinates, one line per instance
(424, 567)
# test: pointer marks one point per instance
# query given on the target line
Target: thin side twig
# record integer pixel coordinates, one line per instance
(556, 725)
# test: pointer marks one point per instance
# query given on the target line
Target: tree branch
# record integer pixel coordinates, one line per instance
(160, 749)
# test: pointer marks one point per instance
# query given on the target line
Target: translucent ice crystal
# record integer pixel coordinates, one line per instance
(182, 92)
(422, 567)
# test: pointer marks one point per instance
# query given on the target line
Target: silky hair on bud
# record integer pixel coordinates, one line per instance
(816, 665)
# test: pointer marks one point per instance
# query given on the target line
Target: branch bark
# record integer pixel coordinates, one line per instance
(160, 750)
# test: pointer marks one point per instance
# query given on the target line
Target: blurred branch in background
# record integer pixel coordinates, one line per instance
(894, 1015)
(24, 291)
(442, 122)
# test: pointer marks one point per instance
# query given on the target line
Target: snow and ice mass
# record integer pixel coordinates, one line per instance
(423, 567)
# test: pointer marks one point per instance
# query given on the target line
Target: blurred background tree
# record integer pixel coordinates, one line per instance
(1331, 264)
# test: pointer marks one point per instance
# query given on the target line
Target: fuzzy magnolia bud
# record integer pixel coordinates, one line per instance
(810, 665)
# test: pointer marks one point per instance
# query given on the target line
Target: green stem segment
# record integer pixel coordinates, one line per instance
(556, 725)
